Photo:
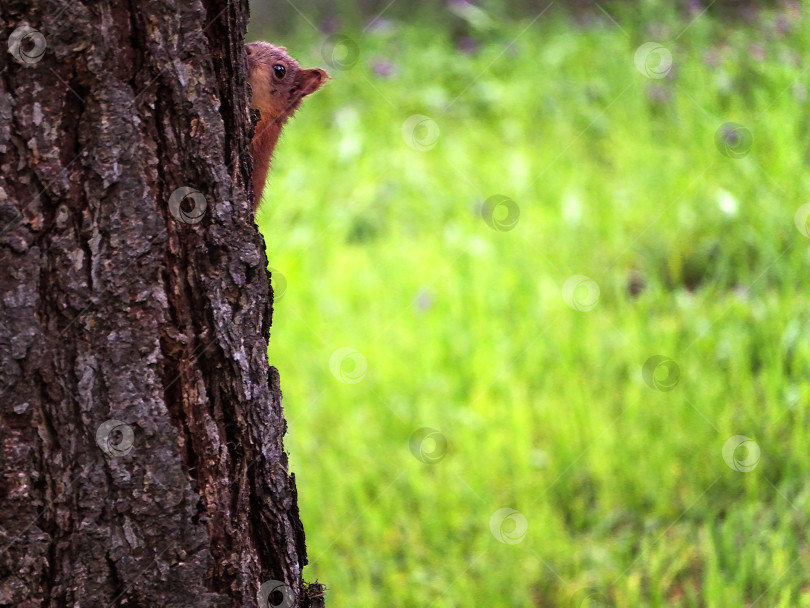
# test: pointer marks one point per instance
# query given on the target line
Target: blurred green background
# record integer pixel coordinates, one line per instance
(582, 267)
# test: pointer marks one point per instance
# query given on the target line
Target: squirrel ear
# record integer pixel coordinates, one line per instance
(311, 81)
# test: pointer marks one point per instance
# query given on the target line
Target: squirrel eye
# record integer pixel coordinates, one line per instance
(280, 70)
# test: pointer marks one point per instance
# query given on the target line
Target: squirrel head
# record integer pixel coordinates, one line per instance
(279, 84)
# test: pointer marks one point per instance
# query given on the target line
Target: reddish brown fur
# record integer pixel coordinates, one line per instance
(276, 99)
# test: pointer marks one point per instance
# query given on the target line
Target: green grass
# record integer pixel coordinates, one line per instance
(465, 330)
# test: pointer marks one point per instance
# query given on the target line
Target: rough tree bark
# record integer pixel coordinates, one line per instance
(142, 458)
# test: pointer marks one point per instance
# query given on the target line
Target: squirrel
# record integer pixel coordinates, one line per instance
(279, 85)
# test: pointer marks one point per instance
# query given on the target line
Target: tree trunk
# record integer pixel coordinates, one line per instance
(141, 428)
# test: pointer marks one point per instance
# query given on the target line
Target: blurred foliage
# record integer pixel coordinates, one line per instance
(687, 226)
(280, 17)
